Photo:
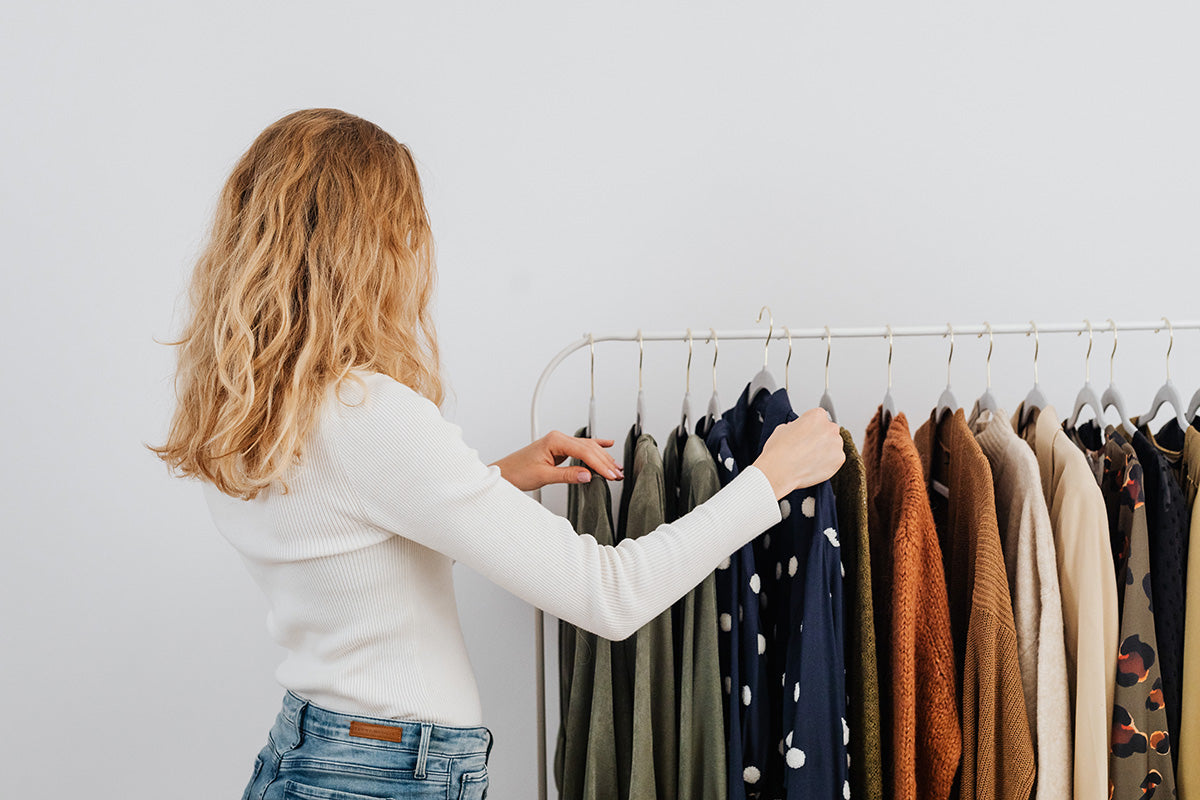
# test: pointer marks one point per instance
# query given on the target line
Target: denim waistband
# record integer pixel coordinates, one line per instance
(303, 716)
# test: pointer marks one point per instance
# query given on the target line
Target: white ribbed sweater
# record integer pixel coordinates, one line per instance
(355, 559)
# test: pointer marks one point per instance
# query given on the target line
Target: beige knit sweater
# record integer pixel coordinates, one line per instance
(1027, 539)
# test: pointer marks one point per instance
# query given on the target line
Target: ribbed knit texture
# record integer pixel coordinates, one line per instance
(922, 740)
(355, 559)
(1027, 540)
(997, 752)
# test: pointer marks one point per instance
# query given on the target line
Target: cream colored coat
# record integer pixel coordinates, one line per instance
(1088, 585)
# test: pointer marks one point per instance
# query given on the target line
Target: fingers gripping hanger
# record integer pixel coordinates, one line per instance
(591, 431)
(641, 396)
(1112, 395)
(1087, 397)
(764, 379)
(826, 400)
(686, 415)
(987, 401)
(946, 402)
(1035, 400)
(889, 405)
(1167, 393)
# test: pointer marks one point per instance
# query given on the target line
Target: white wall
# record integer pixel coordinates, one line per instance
(659, 165)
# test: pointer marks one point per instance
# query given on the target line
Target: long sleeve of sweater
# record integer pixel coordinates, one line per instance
(408, 472)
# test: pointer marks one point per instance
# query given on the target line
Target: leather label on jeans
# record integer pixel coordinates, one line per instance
(368, 730)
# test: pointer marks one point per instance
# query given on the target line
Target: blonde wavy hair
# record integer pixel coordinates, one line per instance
(319, 261)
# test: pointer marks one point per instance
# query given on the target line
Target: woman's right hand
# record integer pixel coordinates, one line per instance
(802, 453)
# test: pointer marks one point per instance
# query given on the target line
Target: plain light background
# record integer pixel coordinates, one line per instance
(654, 165)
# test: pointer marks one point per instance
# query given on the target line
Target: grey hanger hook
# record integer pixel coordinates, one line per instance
(641, 355)
(789, 357)
(687, 385)
(828, 351)
(770, 330)
(716, 349)
(991, 343)
(1087, 360)
(949, 358)
(592, 346)
(1170, 346)
(1113, 355)
(891, 339)
(1037, 346)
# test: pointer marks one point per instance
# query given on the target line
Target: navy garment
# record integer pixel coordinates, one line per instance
(782, 630)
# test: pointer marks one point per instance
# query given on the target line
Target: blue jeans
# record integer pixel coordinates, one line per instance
(313, 753)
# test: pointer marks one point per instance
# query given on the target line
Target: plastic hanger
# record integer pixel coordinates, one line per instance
(888, 404)
(1112, 395)
(714, 403)
(591, 429)
(987, 400)
(1167, 393)
(685, 419)
(827, 401)
(764, 379)
(641, 396)
(1087, 397)
(946, 402)
(1035, 400)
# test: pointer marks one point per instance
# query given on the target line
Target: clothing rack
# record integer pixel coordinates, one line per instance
(783, 333)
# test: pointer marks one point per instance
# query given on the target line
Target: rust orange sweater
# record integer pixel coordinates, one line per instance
(922, 739)
(997, 751)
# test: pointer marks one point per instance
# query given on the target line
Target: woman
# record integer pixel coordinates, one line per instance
(308, 393)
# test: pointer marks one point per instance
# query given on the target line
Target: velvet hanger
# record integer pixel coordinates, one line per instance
(1035, 400)
(641, 396)
(826, 400)
(1087, 397)
(987, 401)
(764, 379)
(946, 403)
(714, 403)
(685, 419)
(1167, 393)
(889, 404)
(1112, 395)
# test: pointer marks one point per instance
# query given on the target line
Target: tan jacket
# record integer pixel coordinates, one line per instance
(997, 750)
(1088, 583)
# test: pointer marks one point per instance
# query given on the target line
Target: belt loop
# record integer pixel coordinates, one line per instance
(491, 741)
(423, 750)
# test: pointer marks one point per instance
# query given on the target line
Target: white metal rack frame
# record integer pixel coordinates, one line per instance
(780, 333)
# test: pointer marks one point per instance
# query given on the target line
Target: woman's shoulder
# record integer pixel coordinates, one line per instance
(367, 403)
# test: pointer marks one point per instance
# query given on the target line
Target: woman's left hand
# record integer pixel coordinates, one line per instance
(536, 464)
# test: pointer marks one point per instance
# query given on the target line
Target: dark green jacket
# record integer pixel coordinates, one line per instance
(648, 655)
(690, 477)
(585, 759)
